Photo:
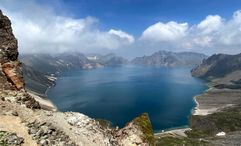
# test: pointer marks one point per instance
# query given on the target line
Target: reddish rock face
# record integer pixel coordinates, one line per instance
(11, 77)
(10, 68)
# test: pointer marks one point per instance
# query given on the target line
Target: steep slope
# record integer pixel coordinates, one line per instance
(56, 63)
(218, 65)
(37, 82)
(52, 64)
(40, 70)
(10, 69)
(170, 59)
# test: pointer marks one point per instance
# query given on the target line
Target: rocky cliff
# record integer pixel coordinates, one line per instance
(24, 122)
(218, 65)
(10, 69)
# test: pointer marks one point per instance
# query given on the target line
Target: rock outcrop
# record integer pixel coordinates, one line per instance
(218, 65)
(137, 132)
(11, 139)
(11, 77)
(10, 68)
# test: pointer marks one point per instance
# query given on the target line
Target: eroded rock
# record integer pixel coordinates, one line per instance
(137, 132)
(46, 134)
(10, 68)
(9, 138)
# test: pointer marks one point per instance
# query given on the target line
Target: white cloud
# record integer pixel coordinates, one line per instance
(165, 31)
(230, 35)
(214, 34)
(237, 16)
(122, 35)
(41, 30)
(210, 24)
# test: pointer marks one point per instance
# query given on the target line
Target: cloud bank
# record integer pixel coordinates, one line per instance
(40, 29)
(214, 34)
(170, 31)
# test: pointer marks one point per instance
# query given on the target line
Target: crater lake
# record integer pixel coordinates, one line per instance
(119, 94)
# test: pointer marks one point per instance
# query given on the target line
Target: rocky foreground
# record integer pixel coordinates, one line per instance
(25, 122)
(41, 127)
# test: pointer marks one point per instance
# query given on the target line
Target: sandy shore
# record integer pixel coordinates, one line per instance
(175, 132)
(202, 111)
(44, 102)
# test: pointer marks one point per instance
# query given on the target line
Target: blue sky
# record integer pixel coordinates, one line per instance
(126, 27)
(135, 15)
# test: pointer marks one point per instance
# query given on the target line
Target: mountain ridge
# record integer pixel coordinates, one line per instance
(41, 70)
(217, 65)
(170, 59)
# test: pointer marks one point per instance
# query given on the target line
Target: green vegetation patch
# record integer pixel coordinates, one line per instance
(144, 122)
(227, 120)
(194, 133)
(179, 141)
(2, 141)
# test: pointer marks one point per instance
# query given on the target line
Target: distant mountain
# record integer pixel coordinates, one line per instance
(57, 63)
(40, 70)
(107, 60)
(218, 65)
(170, 59)
(67, 61)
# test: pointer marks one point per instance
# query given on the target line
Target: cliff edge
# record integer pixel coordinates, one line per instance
(10, 70)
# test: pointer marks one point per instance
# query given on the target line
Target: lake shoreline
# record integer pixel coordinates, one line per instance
(169, 129)
(180, 131)
(175, 81)
(45, 103)
(213, 100)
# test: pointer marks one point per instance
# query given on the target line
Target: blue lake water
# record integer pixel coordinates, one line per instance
(120, 94)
